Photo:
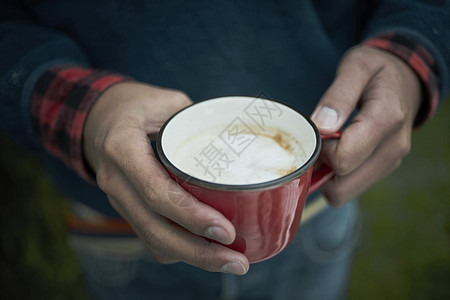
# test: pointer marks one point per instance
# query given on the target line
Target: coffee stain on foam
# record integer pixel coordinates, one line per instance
(286, 141)
(278, 138)
(287, 171)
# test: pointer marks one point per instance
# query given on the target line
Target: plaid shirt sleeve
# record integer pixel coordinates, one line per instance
(61, 100)
(420, 60)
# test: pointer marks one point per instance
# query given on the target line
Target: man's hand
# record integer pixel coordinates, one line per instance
(170, 221)
(387, 94)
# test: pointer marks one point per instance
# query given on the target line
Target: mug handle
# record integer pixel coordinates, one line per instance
(322, 173)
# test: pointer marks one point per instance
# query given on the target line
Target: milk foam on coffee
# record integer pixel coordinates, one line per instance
(267, 156)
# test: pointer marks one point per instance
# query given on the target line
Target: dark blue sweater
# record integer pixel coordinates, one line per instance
(287, 49)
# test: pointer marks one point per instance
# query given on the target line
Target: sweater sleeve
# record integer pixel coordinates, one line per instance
(46, 87)
(61, 100)
(27, 50)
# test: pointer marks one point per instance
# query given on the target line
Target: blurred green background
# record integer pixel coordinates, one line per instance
(403, 252)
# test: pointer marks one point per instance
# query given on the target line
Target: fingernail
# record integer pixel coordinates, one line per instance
(217, 233)
(325, 117)
(235, 267)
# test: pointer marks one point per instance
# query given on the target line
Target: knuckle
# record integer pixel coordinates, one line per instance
(111, 147)
(336, 196)
(398, 117)
(154, 201)
(103, 178)
(343, 163)
(157, 245)
(207, 256)
(360, 62)
(337, 203)
(202, 259)
(339, 195)
(152, 239)
(397, 164)
(115, 204)
(162, 258)
(179, 197)
(404, 147)
(181, 98)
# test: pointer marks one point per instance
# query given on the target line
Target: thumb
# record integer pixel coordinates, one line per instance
(326, 118)
(342, 97)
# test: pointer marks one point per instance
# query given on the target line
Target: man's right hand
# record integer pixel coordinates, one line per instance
(170, 221)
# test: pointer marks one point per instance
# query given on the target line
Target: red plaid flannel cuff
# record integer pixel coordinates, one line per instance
(60, 103)
(420, 60)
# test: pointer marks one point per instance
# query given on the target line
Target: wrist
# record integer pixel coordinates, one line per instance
(420, 61)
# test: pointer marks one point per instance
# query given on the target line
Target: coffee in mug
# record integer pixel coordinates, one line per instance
(272, 153)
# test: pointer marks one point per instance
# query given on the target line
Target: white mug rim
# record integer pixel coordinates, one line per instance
(185, 177)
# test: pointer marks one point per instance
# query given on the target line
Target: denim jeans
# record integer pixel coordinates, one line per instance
(316, 265)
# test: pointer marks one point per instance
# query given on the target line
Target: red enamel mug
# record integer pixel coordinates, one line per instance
(252, 159)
